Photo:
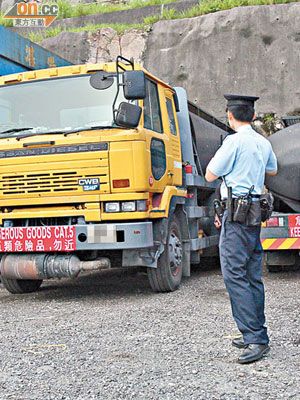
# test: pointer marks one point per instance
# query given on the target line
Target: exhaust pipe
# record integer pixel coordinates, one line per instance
(47, 266)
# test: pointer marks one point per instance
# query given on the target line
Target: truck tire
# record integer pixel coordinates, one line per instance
(168, 274)
(17, 286)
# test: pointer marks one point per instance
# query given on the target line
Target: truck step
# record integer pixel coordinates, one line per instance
(199, 212)
(192, 180)
(204, 242)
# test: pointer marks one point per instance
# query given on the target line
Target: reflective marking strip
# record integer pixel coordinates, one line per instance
(266, 243)
(287, 243)
(281, 244)
(276, 244)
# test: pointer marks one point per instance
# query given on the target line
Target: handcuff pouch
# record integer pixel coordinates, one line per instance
(241, 209)
(254, 214)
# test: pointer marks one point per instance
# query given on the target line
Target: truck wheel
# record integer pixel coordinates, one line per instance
(21, 286)
(167, 276)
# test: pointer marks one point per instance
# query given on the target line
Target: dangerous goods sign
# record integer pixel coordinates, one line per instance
(294, 226)
(38, 238)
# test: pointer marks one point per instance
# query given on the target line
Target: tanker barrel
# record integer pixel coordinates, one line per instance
(205, 129)
(286, 184)
(208, 133)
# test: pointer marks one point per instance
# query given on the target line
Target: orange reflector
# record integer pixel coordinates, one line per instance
(120, 183)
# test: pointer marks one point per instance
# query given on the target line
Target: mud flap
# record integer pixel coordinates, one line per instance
(186, 260)
(186, 242)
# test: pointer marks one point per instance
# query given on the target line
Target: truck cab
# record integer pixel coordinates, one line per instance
(92, 162)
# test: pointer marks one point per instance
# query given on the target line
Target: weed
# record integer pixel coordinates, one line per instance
(67, 10)
(151, 20)
(5, 22)
(119, 28)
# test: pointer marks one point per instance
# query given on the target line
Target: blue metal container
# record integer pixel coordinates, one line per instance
(18, 54)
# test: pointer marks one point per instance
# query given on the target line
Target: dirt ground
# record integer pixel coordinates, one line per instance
(108, 336)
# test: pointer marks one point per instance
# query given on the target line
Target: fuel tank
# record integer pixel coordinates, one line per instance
(286, 184)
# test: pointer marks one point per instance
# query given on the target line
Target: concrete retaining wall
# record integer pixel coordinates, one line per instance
(247, 50)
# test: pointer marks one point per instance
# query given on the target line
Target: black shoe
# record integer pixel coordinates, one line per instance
(239, 343)
(254, 352)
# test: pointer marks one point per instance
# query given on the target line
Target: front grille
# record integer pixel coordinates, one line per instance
(50, 221)
(50, 182)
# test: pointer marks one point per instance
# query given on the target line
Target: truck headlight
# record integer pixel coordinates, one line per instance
(128, 206)
(112, 207)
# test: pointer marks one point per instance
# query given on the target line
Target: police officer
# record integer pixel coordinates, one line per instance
(242, 161)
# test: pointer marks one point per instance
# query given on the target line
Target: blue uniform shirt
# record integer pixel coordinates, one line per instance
(243, 159)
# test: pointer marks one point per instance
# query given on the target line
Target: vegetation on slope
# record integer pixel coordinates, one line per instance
(68, 10)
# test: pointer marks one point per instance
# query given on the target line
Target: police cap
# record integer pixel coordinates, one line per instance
(238, 100)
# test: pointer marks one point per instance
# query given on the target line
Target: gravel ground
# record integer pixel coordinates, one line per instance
(108, 336)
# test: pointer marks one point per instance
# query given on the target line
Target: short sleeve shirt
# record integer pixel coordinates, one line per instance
(243, 159)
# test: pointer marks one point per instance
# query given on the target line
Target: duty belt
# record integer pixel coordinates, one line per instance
(224, 202)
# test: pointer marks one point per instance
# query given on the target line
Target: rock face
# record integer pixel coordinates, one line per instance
(74, 47)
(106, 45)
(5, 5)
(246, 50)
(102, 46)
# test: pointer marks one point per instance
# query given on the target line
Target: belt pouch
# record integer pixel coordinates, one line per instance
(266, 205)
(254, 215)
(241, 209)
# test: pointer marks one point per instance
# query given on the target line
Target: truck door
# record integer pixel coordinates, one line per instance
(172, 127)
(158, 142)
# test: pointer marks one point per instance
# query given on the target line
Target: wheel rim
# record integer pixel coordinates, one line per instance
(175, 253)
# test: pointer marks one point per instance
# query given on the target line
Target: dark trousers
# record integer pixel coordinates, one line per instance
(241, 254)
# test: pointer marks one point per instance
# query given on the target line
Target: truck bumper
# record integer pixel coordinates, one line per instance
(114, 236)
(69, 238)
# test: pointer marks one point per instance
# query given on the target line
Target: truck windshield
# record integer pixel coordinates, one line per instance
(55, 105)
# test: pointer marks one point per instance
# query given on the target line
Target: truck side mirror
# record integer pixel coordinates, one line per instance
(101, 80)
(128, 115)
(134, 85)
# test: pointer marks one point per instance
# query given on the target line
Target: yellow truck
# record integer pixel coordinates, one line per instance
(99, 161)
